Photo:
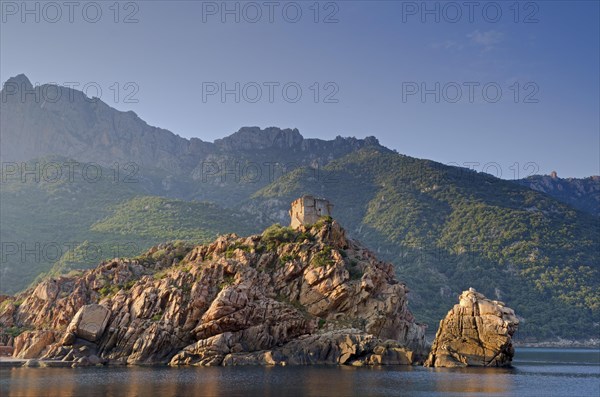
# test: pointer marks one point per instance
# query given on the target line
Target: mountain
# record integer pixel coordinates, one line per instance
(50, 120)
(444, 228)
(580, 193)
(297, 296)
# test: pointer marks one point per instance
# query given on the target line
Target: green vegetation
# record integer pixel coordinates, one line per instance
(99, 220)
(447, 229)
(227, 281)
(322, 258)
(173, 220)
(158, 255)
(276, 235)
(14, 331)
(161, 274)
(279, 233)
(323, 221)
(288, 258)
(355, 272)
(157, 317)
(128, 285)
(230, 252)
(108, 290)
(302, 236)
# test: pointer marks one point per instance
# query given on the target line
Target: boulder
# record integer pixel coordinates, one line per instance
(89, 323)
(94, 359)
(334, 347)
(476, 332)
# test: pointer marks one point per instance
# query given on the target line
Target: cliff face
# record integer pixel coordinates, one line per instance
(302, 296)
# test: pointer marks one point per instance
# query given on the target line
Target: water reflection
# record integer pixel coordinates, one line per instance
(163, 381)
(486, 381)
(529, 377)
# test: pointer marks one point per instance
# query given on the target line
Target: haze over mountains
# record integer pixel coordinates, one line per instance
(533, 243)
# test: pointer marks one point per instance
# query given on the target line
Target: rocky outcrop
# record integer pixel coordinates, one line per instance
(338, 347)
(252, 138)
(476, 332)
(7, 312)
(306, 296)
(31, 344)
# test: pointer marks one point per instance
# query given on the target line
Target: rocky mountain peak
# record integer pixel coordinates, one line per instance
(17, 89)
(581, 193)
(21, 81)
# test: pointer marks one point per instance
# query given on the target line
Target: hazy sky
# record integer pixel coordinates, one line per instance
(504, 82)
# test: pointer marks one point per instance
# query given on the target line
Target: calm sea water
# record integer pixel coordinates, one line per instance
(536, 372)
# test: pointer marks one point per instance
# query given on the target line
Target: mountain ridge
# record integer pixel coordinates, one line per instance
(121, 127)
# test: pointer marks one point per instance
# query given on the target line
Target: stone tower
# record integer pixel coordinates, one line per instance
(307, 210)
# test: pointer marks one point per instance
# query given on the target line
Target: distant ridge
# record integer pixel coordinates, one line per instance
(76, 127)
(581, 193)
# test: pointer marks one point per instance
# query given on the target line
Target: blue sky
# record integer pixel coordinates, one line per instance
(371, 63)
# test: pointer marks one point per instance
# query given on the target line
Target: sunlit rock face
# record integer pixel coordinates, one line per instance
(476, 332)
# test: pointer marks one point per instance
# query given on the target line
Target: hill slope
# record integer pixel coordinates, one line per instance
(447, 229)
(54, 226)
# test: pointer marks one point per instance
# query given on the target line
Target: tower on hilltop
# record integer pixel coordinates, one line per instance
(307, 210)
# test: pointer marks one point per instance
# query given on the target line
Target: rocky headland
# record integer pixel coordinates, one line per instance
(287, 296)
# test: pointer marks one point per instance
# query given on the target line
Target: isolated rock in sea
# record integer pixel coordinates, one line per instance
(476, 332)
(287, 296)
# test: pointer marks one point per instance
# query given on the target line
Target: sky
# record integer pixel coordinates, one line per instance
(510, 88)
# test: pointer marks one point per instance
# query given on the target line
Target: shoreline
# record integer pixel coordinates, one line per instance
(12, 362)
(561, 344)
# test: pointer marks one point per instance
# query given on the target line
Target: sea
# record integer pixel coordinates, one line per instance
(538, 372)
